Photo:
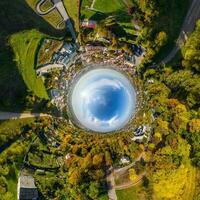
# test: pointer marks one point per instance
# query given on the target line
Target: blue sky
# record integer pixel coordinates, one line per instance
(103, 100)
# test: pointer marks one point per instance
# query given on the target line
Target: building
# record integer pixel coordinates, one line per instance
(124, 160)
(26, 189)
(141, 133)
(65, 55)
(89, 23)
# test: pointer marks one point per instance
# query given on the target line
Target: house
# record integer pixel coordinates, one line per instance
(54, 93)
(89, 23)
(65, 55)
(150, 81)
(129, 60)
(124, 160)
(141, 132)
(26, 189)
(68, 156)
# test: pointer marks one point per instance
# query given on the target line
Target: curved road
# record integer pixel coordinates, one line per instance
(58, 4)
(111, 180)
(188, 26)
(10, 115)
(41, 12)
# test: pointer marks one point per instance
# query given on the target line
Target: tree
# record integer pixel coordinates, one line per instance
(132, 175)
(75, 177)
(191, 51)
(194, 126)
(108, 158)
(161, 39)
(93, 190)
(98, 159)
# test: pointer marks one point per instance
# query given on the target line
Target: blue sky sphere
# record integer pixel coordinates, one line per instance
(103, 100)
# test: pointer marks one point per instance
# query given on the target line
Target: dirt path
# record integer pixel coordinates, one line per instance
(188, 26)
(130, 184)
(10, 115)
(111, 184)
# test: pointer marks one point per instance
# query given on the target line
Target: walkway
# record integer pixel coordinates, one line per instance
(48, 67)
(188, 26)
(111, 184)
(130, 183)
(110, 178)
(11, 115)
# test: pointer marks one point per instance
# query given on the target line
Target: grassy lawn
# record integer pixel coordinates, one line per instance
(53, 18)
(85, 13)
(110, 6)
(171, 22)
(73, 12)
(128, 194)
(25, 45)
(12, 184)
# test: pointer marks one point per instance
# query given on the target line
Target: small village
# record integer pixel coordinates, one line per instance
(134, 135)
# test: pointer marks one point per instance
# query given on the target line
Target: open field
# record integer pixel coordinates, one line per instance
(109, 6)
(104, 7)
(25, 45)
(128, 194)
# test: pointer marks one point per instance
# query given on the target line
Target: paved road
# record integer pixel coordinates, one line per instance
(188, 26)
(47, 68)
(130, 184)
(10, 115)
(111, 179)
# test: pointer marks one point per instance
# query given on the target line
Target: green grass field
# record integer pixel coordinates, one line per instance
(25, 45)
(105, 7)
(110, 6)
(73, 12)
(127, 194)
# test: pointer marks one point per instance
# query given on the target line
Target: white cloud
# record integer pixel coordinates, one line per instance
(90, 90)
